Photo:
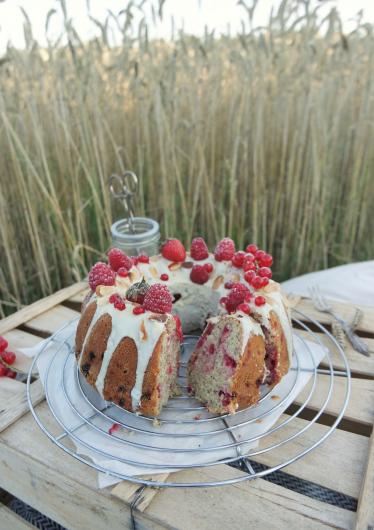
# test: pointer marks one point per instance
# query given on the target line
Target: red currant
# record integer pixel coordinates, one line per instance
(257, 282)
(260, 300)
(248, 266)
(164, 277)
(3, 370)
(252, 248)
(266, 260)
(265, 272)
(143, 258)
(265, 282)
(3, 344)
(208, 267)
(244, 308)
(259, 255)
(123, 272)
(8, 357)
(119, 305)
(238, 258)
(249, 276)
(11, 374)
(138, 310)
(229, 285)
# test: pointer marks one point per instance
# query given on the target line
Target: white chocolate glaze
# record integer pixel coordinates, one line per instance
(126, 324)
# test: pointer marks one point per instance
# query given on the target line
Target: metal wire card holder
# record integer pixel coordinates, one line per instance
(186, 436)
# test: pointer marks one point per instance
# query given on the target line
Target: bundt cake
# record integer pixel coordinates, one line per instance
(127, 341)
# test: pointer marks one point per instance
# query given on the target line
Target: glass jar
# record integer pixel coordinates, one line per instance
(145, 237)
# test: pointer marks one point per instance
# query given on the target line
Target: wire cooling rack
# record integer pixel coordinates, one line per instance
(185, 435)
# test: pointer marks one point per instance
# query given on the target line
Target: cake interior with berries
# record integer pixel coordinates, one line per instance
(128, 338)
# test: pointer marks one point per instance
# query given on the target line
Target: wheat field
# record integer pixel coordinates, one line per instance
(266, 136)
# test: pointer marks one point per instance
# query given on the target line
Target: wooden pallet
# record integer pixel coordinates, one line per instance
(39, 473)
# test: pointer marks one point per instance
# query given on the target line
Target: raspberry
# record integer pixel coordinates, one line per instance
(199, 274)
(100, 274)
(118, 259)
(249, 276)
(260, 300)
(137, 292)
(123, 272)
(252, 248)
(173, 250)
(158, 299)
(178, 325)
(244, 308)
(11, 374)
(238, 294)
(223, 300)
(229, 285)
(143, 258)
(138, 310)
(198, 249)
(257, 282)
(3, 344)
(3, 370)
(225, 249)
(266, 260)
(8, 357)
(265, 272)
(164, 277)
(208, 267)
(238, 258)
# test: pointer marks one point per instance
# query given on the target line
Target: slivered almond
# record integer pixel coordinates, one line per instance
(143, 331)
(187, 264)
(159, 317)
(153, 259)
(217, 282)
(105, 290)
(134, 275)
(174, 266)
(235, 278)
(153, 272)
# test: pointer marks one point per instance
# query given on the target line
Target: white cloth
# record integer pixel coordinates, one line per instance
(348, 283)
(62, 375)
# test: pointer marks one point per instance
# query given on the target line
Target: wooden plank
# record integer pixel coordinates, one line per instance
(346, 311)
(31, 311)
(79, 297)
(18, 405)
(51, 320)
(9, 389)
(61, 497)
(361, 403)
(365, 511)
(63, 487)
(358, 363)
(323, 465)
(127, 490)
(9, 519)
(256, 504)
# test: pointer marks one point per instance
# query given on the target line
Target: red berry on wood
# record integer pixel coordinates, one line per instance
(8, 357)
(3, 344)
(11, 374)
(3, 370)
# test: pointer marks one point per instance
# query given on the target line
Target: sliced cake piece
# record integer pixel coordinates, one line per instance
(227, 366)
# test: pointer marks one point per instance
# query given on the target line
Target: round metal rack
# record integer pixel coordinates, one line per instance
(186, 436)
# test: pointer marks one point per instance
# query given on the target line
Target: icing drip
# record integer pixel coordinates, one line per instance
(126, 324)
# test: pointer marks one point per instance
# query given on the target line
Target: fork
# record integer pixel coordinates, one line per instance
(321, 304)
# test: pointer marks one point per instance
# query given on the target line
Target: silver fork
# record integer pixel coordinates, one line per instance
(321, 304)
